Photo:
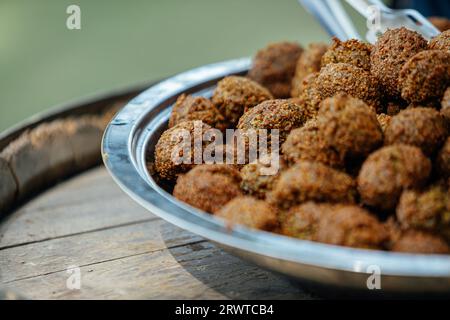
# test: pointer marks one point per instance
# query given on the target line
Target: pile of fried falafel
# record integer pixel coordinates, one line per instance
(365, 154)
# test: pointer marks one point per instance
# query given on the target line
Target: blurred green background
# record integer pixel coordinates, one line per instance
(121, 43)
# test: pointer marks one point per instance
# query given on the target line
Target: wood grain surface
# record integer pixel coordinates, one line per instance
(122, 250)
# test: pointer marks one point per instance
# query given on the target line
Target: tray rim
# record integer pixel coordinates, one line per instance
(117, 152)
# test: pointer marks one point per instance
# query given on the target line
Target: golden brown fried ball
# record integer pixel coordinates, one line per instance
(425, 76)
(425, 128)
(384, 120)
(390, 53)
(443, 160)
(308, 93)
(344, 77)
(309, 143)
(280, 114)
(309, 181)
(188, 107)
(390, 170)
(258, 178)
(418, 241)
(171, 145)
(349, 126)
(234, 95)
(250, 212)
(441, 42)
(309, 62)
(274, 67)
(428, 210)
(208, 187)
(352, 51)
(302, 221)
(441, 23)
(351, 226)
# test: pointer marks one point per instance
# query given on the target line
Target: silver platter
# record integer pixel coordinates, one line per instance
(128, 144)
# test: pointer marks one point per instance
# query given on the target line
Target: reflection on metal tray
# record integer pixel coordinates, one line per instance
(136, 129)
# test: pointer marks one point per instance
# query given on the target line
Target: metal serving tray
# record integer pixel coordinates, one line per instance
(128, 144)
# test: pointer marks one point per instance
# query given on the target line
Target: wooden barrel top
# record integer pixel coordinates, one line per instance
(122, 250)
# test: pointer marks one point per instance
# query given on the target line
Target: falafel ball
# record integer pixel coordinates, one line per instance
(443, 160)
(258, 178)
(349, 126)
(428, 210)
(309, 62)
(352, 51)
(302, 221)
(309, 143)
(390, 53)
(390, 170)
(442, 23)
(351, 226)
(425, 128)
(208, 187)
(415, 241)
(309, 181)
(274, 67)
(280, 114)
(307, 92)
(425, 76)
(344, 77)
(250, 212)
(441, 41)
(234, 95)
(384, 120)
(170, 159)
(188, 107)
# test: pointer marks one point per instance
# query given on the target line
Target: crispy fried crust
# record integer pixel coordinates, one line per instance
(170, 142)
(390, 170)
(390, 53)
(250, 212)
(188, 107)
(302, 221)
(349, 126)
(308, 181)
(344, 77)
(309, 62)
(441, 42)
(351, 226)
(283, 115)
(274, 67)
(352, 51)
(208, 187)
(425, 128)
(234, 95)
(309, 143)
(255, 182)
(428, 210)
(425, 76)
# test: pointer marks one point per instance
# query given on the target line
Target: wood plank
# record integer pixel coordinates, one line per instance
(79, 215)
(84, 249)
(196, 271)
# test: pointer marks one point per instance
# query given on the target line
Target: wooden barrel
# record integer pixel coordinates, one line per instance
(68, 232)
